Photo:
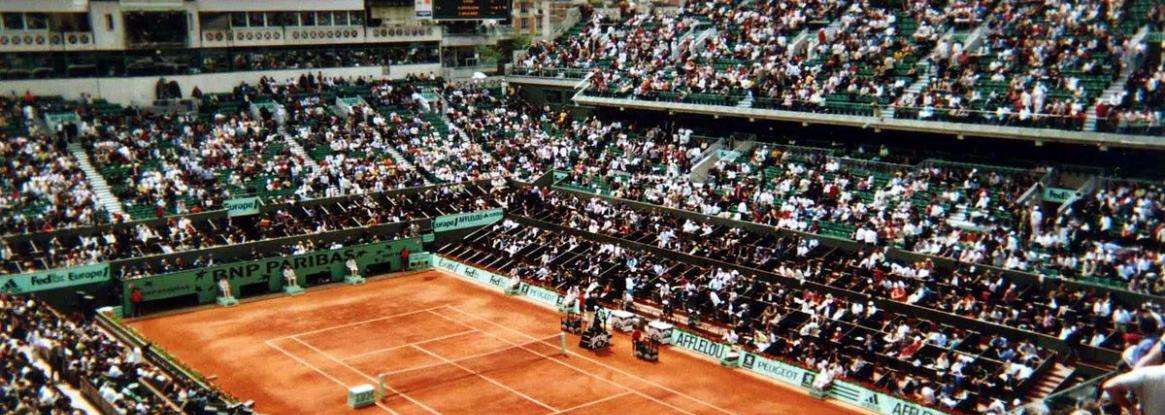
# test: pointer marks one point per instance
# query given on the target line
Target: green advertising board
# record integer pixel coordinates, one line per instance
(875, 401)
(540, 294)
(420, 260)
(776, 370)
(243, 206)
(698, 344)
(55, 278)
(1058, 195)
(481, 276)
(203, 281)
(727, 155)
(474, 274)
(467, 220)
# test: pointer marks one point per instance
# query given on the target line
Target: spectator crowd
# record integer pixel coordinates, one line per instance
(79, 353)
(1027, 64)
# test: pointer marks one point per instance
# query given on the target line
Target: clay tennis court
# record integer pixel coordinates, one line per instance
(446, 346)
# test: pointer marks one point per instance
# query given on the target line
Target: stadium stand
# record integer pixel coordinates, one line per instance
(907, 356)
(191, 234)
(1069, 313)
(963, 62)
(962, 280)
(28, 388)
(84, 355)
(1000, 340)
(961, 211)
(43, 186)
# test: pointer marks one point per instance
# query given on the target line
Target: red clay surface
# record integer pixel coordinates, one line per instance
(447, 346)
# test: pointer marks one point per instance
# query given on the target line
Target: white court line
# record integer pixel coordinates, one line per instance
(340, 326)
(426, 341)
(472, 356)
(594, 402)
(326, 375)
(573, 367)
(621, 371)
(487, 379)
(374, 380)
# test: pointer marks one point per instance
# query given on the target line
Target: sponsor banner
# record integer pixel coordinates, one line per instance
(877, 402)
(501, 282)
(1057, 194)
(242, 206)
(269, 271)
(727, 155)
(847, 392)
(55, 278)
(541, 295)
(423, 9)
(480, 276)
(889, 405)
(776, 370)
(467, 220)
(698, 344)
(420, 260)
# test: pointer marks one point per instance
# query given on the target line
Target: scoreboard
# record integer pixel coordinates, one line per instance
(471, 9)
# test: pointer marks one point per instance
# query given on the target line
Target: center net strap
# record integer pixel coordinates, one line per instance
(428, 376)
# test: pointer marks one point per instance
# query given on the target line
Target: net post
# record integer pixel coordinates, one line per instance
(562, 342)
(380, 387)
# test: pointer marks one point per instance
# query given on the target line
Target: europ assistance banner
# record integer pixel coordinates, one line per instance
(467, 220)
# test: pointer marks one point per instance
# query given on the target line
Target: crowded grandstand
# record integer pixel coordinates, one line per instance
(724, 206)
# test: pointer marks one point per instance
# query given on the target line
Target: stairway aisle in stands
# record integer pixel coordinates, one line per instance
(299, 151)
(74, 395)
(108, 201)
(1049, 382)
(1118, 86)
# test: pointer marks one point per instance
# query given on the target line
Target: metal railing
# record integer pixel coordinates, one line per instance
(1077, 396)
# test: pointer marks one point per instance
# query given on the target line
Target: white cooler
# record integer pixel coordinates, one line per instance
(360, 396)
(660, 331)
(622, 321)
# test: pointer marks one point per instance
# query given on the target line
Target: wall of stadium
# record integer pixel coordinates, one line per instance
(140, 90)
(201, 284)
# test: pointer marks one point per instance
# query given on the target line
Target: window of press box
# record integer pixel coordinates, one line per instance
(256, 19)
(307, 19)
(71, 22)
(282, 19)
(239, 19)
(324, 18)
(13, 21)
(36, 21)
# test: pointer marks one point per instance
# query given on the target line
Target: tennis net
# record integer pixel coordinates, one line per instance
(445, 370)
